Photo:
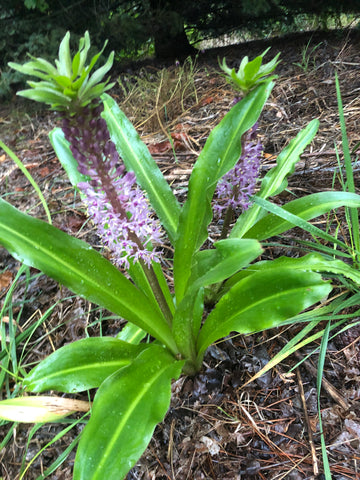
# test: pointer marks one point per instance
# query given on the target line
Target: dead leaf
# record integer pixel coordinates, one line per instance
(44, 171)
(5, 279)
(206, 101)
(161, 147)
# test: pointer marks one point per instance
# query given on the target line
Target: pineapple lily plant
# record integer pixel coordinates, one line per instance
(133, 208)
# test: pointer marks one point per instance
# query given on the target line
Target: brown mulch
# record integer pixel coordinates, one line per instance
(216, 427)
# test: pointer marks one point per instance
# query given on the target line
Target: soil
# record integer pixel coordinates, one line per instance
(219, 425)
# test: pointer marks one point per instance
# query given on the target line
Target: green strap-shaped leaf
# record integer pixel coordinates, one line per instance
(275, 181)
(298, 221)
(137, 158)
(64, 154)
(307, 208)
(220, 153)
(228, 257)
(262, 300)
(132, 334)
(313, 262)
(211, 266)
(126, 409)
(38, 67)
(81, 365)
(75, 264)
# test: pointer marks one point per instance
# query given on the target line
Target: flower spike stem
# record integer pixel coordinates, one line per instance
(227, 221)
(155, 286)
(113, 198)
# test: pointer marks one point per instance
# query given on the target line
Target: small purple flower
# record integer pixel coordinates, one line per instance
(237, 186)
(117, 223)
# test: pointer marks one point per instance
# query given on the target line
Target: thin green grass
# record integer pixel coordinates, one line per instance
(353, 223)
(307, 55)
(57, 437)
(29, 177)
(321, 363)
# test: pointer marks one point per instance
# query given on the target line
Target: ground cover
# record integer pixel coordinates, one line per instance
(218, 426)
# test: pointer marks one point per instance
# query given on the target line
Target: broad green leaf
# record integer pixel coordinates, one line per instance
(64, 154)
(262, 300)
(137, 158)
(313, 262)
(275, 181)
(220, 153)
(187, 322)
(80, 268)
(81, 365)
(307, 208)
(131, 334)
(40, 409)
(212, 266)
(228, 257)
(126, 410)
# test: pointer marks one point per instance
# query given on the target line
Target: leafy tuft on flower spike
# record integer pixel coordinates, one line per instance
(250, 74)
(116, 204)
(68, 85)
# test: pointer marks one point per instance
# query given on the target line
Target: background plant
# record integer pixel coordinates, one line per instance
(165, 93)
(247, 296)
(307, 56)
(168, 29)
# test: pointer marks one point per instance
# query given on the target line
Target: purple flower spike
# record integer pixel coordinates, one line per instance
(116, 227)
(237, 186)
(115, 203)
